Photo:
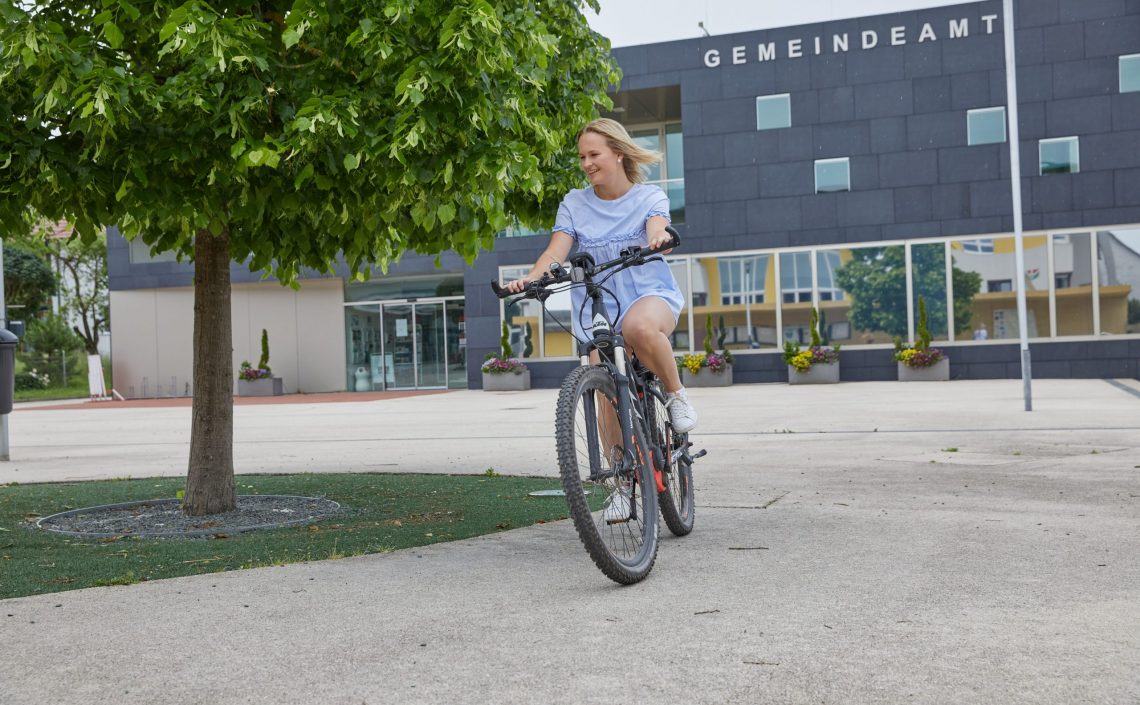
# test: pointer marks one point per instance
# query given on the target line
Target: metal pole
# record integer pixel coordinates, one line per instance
(1015, 190)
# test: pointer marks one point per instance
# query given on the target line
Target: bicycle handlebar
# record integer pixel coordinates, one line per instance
(630, 257)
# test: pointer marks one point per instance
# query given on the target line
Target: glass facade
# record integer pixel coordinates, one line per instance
(832, 175)
(773, 111)
(1061, 155)
(985, 126)
(759, 299)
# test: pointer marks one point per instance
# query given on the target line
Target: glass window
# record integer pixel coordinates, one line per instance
(832, 175)
(1118, 259)
(1061, 155)
(795, 296)
(743, 309)
(985, 290)
(522, 319)
(872, 306)
(978, 246)
(773, 111)
(1130, 73)
(680, 268)
(1073, 267)
(928, 276)
(669, 173)
(985, 125)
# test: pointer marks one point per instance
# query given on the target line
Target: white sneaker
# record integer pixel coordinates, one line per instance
(681, 412)
(617, 509)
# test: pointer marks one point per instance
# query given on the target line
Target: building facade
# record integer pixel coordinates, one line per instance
(852, 166)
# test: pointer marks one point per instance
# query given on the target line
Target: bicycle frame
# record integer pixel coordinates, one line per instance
(631, 386)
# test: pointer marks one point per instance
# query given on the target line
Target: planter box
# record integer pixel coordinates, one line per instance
(267, 387)
(707, 378)
(938, 372)
(506, 382)
(819, 373)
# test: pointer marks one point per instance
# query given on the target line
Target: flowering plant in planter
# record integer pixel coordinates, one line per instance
(504, 362)
(919, 354)
(817, 354)
(709, 359)
(694, 363)
(248, 372)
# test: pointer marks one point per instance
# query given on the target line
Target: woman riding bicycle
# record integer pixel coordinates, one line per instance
(616, 211)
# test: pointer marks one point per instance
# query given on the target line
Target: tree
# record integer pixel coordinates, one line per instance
(287, 134)
(83, 276)
(28, 280)
(875, 278)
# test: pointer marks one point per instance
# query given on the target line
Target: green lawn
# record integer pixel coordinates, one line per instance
(384, 513)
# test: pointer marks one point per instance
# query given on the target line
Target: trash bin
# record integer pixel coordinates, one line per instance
(7, 369)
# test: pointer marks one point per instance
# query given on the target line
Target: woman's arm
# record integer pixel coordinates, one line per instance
(557, 251)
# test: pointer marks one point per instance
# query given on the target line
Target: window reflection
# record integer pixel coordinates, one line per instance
(928, 273)
(1118, 262)
(873, 280)
(1072, 272)
(522, 318)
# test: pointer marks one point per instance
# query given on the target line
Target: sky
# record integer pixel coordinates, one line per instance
(632, 22)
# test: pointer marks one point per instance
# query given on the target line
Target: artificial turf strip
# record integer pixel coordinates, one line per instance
(384, 513)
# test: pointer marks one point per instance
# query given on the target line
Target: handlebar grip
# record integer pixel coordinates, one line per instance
(499, 291)
(676, 237)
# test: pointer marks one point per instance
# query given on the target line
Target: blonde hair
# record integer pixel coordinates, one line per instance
(619, 141)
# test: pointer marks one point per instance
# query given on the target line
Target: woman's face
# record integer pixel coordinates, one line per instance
(601, 164)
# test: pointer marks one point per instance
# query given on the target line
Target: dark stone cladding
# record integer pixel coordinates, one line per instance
(899, 113)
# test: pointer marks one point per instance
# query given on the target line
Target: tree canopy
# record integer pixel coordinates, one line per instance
(305, 129)
(288, 133)
(28, 280)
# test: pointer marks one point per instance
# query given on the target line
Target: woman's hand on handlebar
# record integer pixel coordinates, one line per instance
(517, 286)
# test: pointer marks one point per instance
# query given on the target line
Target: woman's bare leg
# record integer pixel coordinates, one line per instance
(646, 328)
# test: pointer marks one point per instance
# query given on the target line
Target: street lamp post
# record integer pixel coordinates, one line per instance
(1015, 190)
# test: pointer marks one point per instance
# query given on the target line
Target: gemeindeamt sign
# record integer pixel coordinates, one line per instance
(845, 41)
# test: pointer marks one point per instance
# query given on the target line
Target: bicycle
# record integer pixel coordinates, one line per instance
(616, 479)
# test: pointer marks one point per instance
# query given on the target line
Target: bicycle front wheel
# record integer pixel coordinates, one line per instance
(610, 489)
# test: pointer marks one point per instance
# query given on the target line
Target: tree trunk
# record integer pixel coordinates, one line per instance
(210, 480)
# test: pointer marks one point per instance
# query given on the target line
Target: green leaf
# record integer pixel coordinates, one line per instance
(124, 189)
(446, 213)
(113, 34)
(131, 10)
(290, 37)
(305, 175)
(254, 156)
(351, 161)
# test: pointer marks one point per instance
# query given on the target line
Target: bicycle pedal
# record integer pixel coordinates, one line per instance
(699, 454)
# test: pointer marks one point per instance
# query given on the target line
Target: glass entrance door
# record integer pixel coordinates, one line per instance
(399, 346)
(406, 345)
(431, 351)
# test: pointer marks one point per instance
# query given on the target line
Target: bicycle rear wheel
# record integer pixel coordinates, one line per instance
(678, 505)
(610, 490)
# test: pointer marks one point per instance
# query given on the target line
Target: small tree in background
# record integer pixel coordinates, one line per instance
(263, 362)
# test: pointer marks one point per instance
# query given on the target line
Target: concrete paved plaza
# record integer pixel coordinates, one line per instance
(844, 553)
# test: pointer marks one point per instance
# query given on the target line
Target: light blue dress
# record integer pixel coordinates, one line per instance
(604, 228)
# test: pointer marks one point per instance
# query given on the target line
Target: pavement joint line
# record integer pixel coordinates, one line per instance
(378, 439)
(1124, 387)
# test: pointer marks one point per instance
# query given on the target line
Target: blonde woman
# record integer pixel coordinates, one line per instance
(615, 211)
